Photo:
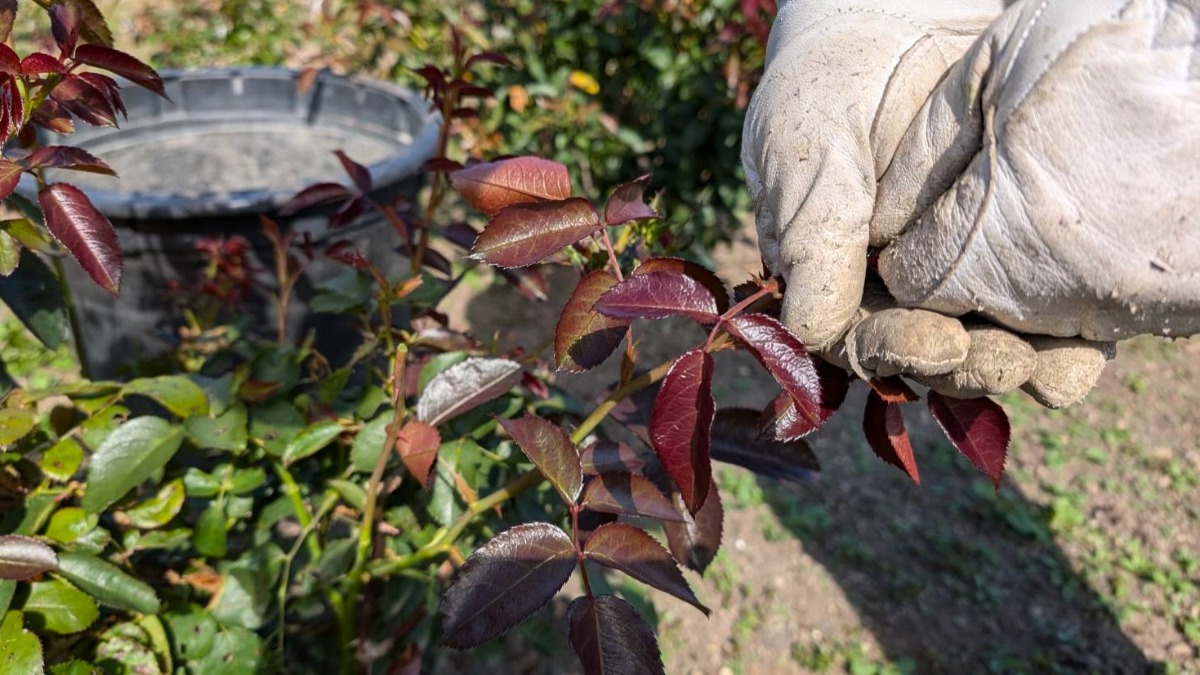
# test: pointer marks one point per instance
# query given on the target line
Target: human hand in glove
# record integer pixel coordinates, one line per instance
(1036, 167)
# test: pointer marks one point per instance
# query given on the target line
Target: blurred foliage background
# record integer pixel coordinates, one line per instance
(612, 88)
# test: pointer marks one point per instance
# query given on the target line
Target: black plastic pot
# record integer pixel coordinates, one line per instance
(257, 128)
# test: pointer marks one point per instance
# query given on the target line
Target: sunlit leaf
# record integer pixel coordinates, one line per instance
(417, 444)
(311, 440)
(15, 424)
(585, 338)
(10, 176)
(176, 393)
(682, 423)
(736, 440)
(226, 431)
(159, 509)
(492, 186)
(85, 232)
(65, 20)
(893, 390)
(695, 541)
(883, 425)
(210, 535)
(631, 550)
(627, 203)
(603, 456)
(122, 64)
(524, 234)
(503, 582)
(611, 638)
(84, 100)
(628, 495)
(780, 419)
(977, 427)
(783, 355)
(68, 157)
(107, 583)
(20, 648)
(39, 63)
(465, 386)
(58, 607)
(551, 451)
(658, 295)
(129, 455)
(24, 557)
(688, 268)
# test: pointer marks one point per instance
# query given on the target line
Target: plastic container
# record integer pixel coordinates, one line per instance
(230, 145)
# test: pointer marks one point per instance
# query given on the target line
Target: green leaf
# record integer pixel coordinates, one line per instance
(24, 557)
(159, 509)
(95, 429)
(33, 294)
(194, 632)
(160, 644)
(444, 502)
(210, 534)
(369, 443)
(246, 592)
(275, 425)
(244, 481)
(107, 583)
(7, 589)
(312, 439)
(125, 650)
(437, 363)
(20, 649)
(74, 667)
(10, 254)
(218, 389)
(59, 607)
(178, 538)
(351, 493)
(200, 484)
(30, 517)
(62, 460)
(15, 424)
(235, 651)
(332, 385)
(176, 393)
(130, 455)
(227, 431)
(343, 292)
(70, 523)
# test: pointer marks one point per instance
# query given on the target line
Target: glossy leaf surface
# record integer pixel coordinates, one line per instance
(551, 451)
(658, 295)
(883, 425)
(491, 186)
(503, 582)
(631, 550)
(782, 354)
(24, 557)
(688, 268)
(611, 638)
(465, 386)
(681, 425)
(627, 203)
(628, 495)
(977, 427)
(780, 419)
(129, 455)
(585, 338)
(107, 583)
(525, 234)
(85, 232)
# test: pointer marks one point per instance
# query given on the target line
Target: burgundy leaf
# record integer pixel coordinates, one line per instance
(767, 304)
(529, 282)
(465, 386)
(64, 25)
(782, 354)
(627, 203)
(681, 425)
(121, 64)
(38, 63)
(893, 390)
(472, 91)
(441, 164)
(503, 582)
(883, 425)
(312, 195)
(417, 444)
(85, 101)
(695, 541)
(490, 57)
(523, 234)
(10, 175)
(631, 550)
(691, 269)
(349, 212)
(977, 427)
(584, 338)
(54, 117)
(551, 451)
(357, 172)
(779, 420)
(602, 456)
(67, 157)
(736, 440)
(657, 295)
(84, 231)
(611, 638)
(433, 76)
(628, 495)
(491, 186)
(10, 62)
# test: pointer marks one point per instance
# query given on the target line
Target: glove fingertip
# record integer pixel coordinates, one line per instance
(1067, 370)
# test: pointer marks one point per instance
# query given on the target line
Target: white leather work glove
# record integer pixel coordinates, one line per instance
(843, 86)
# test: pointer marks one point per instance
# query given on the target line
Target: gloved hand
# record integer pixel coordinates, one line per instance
(1067, 139)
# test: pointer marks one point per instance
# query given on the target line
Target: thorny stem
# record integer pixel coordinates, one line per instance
(366, 532)
(612, 254)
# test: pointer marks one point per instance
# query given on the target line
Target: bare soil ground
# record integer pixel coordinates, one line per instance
(1086, 560)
